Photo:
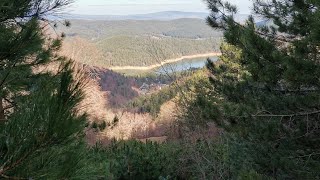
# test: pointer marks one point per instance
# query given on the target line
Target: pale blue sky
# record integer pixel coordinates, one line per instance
(124, 7)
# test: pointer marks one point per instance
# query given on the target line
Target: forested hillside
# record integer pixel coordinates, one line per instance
(97, 30)
(137, 43)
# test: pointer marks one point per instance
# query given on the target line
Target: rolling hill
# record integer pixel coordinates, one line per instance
(181, 28)
(107, 43)
(165, 15)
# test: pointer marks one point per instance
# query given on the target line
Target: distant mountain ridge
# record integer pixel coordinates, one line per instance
(165, 15)
(157, 16)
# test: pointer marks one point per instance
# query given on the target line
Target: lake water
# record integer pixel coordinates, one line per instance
(183, 65)
(179, 66)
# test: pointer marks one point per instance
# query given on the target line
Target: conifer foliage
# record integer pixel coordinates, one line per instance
(23, 45)
(267, 87)
(41, 130)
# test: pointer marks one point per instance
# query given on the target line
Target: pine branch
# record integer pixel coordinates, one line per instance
(308, 155)
(280, 115)
(12, 177)
(280, 38)
(285, 91)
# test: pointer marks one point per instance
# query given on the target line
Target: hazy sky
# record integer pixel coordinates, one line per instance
(124, 7)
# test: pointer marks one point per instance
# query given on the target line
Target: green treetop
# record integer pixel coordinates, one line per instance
(24, 45)
(267, 85)
(41, 133)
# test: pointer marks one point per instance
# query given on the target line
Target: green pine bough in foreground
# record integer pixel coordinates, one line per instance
(266, 87)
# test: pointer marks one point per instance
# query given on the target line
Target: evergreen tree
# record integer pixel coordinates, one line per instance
(266, 87)
(41, 134)
(24, 46)
(43, 137)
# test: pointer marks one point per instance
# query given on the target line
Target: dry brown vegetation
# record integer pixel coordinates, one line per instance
(137, 126)
(130, 125)
(100, 100)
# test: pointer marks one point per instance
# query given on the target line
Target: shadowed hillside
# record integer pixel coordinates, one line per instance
(120, 89)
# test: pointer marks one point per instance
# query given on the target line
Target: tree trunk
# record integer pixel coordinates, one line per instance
(2, 117)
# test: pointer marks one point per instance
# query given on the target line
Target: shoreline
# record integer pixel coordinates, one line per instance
(168, 61)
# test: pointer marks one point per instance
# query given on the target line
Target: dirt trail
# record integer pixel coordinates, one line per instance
(168, 61)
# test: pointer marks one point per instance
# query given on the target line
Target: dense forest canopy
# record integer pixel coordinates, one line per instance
(137, 43)
(180, 28)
